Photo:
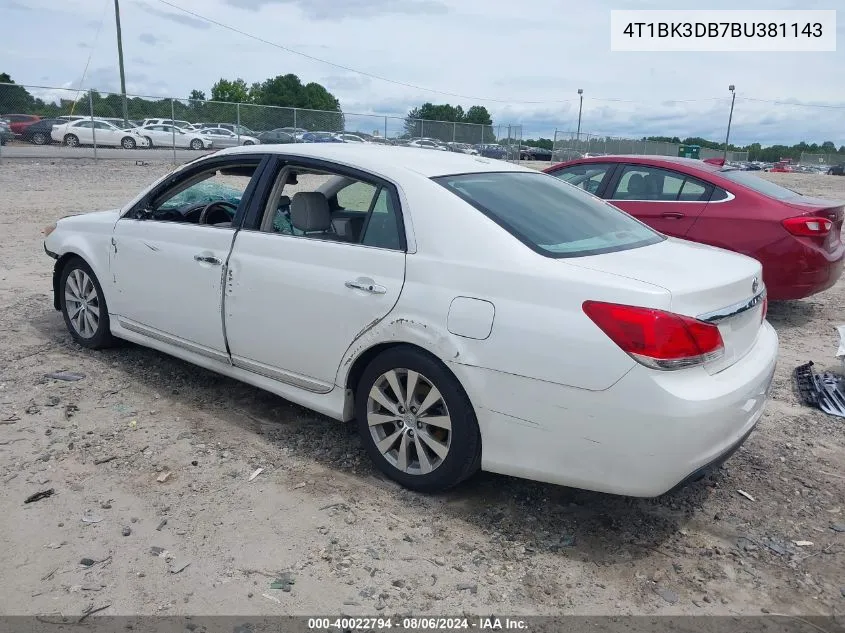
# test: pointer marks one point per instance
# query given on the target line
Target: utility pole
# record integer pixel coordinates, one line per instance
(730, 117)
(580, 106)
(120, 62)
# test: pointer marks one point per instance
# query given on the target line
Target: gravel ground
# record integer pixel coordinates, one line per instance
(340, 538)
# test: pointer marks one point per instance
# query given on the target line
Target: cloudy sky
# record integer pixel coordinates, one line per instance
(523, 60)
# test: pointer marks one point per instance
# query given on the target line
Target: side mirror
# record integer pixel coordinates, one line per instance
(142, 213)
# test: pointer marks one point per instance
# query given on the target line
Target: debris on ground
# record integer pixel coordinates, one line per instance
(87, 562)
(273, 598)
(90, 517)
(158, 551)
(803, 543)
(105, 460)
(285, 582)
(255, 473)
(667, 594)
(746, 495)
(67, 376)
(825, 391)
(38, 496)
(163, 477)
(161, 524)
(126, 531)
(177, 566)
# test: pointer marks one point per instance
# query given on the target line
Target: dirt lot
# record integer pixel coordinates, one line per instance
(352, 542)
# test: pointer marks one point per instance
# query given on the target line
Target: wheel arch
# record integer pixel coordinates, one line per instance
(67, 254)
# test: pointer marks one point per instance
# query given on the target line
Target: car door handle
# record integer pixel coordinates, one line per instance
(366, 286)
(208, 259)
(672, 215)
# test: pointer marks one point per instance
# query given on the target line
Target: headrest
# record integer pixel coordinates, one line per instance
(309, 211)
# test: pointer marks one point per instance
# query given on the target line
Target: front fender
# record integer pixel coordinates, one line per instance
(92, 248)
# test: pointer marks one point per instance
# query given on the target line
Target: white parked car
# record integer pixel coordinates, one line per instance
(466, 313)
(423, 143)
(184, 125)
(226, 138)
(87, 132)
(350, 138)
(161, 135)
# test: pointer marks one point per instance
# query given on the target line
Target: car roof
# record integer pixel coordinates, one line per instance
(387, 160)
(647, 159)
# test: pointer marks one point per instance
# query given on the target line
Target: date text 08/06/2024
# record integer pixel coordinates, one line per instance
(418, 624)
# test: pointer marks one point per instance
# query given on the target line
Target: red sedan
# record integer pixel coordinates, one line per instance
(796, 238)
(20, 121)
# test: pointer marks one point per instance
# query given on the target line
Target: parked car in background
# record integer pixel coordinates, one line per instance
(380, 140)
(85, 131)
(39, 133)
(618, 360)
(6, 134)
(232, 127)
(427, 143)
(796, 238)
(226, 138)
(491, 150)
(184, 125)
(350, 138)
(319, 137)
(782, 166)
(276, 137)
(19, 122)
(173, 136)
(837, 170)
(534, 153)
(462, 148)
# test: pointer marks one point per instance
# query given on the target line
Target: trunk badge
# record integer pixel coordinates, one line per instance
(755, 284)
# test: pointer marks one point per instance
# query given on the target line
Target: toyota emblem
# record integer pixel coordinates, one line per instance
(755, 284)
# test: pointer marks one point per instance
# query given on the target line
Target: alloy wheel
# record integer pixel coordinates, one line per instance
(83, 303)
(409, 421)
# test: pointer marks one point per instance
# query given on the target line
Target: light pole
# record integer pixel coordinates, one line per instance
(580, 106)
(730, 117)
(120, 62)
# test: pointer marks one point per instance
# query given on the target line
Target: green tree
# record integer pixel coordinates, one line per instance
(196, 95)
(233, 91)
(14, 99)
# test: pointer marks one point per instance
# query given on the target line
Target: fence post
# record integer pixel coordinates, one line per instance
(422, 128)
(385, 128)
(295, 139)
(454, 129)
(173, 128)
(91, 115)
(238, 117)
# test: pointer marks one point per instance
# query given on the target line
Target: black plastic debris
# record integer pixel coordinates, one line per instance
(824, 391)
(38, 496)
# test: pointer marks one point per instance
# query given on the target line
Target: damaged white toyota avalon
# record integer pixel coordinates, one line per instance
(467, 313)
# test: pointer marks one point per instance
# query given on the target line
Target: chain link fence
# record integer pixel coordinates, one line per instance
(821, 159)
(185, 127)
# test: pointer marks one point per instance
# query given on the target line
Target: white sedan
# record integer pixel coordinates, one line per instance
(226, 138)
(467, 313)
(160, 135)
(90, 132)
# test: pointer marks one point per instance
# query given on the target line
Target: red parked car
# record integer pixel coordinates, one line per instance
(796, 238)
(19, 121)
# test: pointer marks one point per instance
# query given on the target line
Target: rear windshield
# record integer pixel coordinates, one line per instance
(748, 179)
(549, 215)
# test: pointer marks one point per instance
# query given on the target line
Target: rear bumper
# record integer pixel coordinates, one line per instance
(802, 272)
(641, 437)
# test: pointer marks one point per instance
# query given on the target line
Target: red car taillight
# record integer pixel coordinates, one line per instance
(655, 338)
(808, 226)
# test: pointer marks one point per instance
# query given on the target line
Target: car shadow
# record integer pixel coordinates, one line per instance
(510, 511)
(791, 314)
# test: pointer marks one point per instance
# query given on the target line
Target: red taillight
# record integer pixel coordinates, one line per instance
(655, 338)
(808, 226)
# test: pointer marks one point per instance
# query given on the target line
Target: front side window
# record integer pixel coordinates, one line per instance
(210, 197)
(548, 215)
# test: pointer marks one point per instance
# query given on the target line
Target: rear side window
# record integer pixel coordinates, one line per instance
(550, 216)
(748, 179)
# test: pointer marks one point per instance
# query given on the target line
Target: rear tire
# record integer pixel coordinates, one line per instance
(84, 305)
(150, 141)
(39, 138)
(427, 440)
(71, 140)
(128, 143)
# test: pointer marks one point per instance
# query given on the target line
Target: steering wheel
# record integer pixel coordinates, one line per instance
(218, 206)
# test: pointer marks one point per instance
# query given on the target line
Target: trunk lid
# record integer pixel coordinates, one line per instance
(704, 282)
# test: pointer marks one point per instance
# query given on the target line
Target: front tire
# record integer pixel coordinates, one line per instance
(84, 305)
(40, 138)
(128, 142)
(72, 140)
(248, 143)
(197, 144)
(416, 422)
